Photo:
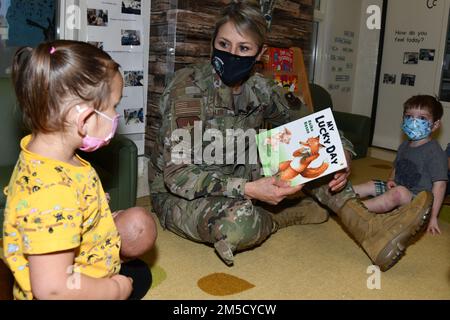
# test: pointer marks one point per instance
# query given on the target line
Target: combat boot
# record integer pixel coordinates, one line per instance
(298, 212)
(384, 237)
(224, 251)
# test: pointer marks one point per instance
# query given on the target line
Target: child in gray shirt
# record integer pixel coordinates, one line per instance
(420, 165)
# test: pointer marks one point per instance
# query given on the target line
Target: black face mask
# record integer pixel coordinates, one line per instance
(232, 69)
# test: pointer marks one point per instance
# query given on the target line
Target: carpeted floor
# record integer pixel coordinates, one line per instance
(301, 262)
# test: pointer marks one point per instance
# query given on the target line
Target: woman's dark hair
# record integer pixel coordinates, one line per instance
(57, 75)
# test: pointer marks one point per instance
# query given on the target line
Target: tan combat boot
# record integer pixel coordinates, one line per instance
(297, 212)
(384, 237)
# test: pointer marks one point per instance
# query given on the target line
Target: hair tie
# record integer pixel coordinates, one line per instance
(52, 50)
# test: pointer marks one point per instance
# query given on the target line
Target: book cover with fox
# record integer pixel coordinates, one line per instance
(302, 150)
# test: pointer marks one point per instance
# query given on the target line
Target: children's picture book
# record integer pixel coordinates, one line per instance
(287, 68)
(281, 59)
(289, 82)
(302, 150)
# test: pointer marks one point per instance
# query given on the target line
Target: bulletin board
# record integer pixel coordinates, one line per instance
(287, 67)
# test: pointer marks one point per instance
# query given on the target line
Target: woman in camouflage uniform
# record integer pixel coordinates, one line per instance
(226, 203)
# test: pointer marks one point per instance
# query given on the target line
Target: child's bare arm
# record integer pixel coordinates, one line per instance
(439, 188)
(51, 278)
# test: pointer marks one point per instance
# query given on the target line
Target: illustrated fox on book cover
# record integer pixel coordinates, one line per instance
(302, 150)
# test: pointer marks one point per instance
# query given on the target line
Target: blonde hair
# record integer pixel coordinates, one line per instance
(247, 18)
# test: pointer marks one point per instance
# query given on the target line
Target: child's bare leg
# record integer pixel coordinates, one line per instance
(365, 189)
(137, 231)
(389, 200)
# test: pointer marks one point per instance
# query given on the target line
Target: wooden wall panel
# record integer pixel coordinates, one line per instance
(186, 27)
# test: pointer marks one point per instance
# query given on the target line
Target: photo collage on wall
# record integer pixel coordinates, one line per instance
(117, 25)
(117, 28)
(411, 59)
(341, 58)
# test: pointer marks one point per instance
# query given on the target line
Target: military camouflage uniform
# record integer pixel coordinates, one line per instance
(203, 202)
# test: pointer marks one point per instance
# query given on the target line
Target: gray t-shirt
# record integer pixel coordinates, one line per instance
(418, 168)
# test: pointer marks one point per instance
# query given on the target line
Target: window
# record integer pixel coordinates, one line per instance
(319, 14)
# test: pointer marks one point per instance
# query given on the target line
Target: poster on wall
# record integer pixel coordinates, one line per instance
(341, 65)
(117, 27)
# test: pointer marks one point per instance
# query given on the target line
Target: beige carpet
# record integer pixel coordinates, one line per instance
(301, 262)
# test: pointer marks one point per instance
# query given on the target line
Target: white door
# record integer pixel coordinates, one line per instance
(414, 28)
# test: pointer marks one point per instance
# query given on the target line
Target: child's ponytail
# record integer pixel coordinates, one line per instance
(21, 58)
(20, 74)
(31, 76)
(56, 75)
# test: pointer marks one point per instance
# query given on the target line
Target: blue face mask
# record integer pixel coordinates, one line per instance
(416, 129)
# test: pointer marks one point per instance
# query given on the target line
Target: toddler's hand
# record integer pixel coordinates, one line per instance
(391, 184)
(433, 226)
(116, 213)
(125, 285)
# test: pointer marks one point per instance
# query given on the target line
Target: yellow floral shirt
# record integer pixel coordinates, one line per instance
(53, 206)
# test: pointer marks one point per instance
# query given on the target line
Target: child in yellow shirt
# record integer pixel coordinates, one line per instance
(60, 238)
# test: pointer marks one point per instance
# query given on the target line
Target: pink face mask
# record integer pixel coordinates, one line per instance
(91, 144)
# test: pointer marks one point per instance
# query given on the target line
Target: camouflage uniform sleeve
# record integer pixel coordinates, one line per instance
(348, 146)
(181, 175)
(277, 112)
(190, 182)
(284, 107)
